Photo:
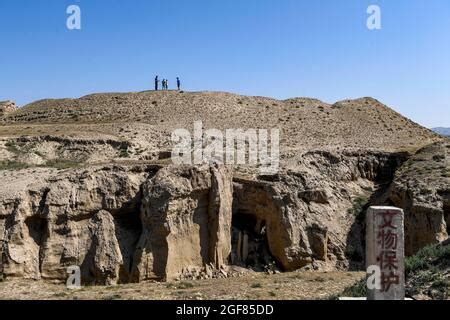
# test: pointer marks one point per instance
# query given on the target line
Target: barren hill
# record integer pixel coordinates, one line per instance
(147, 118)
(89, 182)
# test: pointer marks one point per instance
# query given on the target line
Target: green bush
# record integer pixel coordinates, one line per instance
(185, 285)
(55, 163)
(425, 268)
(61, 164)
(359, 289)
(123, 153)
(427, 258)
(12, 165)
(12, 147)
(359, 206)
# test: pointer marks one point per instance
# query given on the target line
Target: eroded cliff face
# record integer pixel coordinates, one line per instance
(186, 214)
(130, 223)
(88, 218)
(304, 214)
(118, 224)
(422, 188)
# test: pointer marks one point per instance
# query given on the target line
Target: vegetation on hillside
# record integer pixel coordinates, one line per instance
(427, 274)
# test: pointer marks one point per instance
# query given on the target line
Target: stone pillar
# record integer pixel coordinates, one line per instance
(219, 215)
(245, 248)
(239, 247)
(385, 249)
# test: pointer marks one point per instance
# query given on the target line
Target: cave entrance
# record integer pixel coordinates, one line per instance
(249, 245)
(37, 228)
(128, 230)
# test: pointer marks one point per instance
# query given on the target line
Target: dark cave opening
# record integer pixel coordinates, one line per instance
(249, 245)
(128, 231)
(38, 231)
(37, 228)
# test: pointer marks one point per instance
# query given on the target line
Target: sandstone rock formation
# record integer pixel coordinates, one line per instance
(422, 188)
(186, 213)
(132, 224)
(93, 219)
(87, 218)
(88, 182)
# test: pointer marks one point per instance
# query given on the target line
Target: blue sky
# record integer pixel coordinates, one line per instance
(277, 48)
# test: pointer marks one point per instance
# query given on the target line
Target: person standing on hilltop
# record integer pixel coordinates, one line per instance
(178, 83)
(167, 84)
(156, 83)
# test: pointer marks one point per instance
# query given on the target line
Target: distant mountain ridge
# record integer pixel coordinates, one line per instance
(442, 131)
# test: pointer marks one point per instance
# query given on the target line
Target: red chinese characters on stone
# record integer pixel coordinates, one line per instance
(388, 240)
(388, 279)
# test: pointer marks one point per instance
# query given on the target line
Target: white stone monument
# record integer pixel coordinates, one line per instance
(385, 252)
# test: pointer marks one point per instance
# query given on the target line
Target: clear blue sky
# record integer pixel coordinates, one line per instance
(278, 48)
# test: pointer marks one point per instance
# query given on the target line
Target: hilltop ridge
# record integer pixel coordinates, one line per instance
(304, 123)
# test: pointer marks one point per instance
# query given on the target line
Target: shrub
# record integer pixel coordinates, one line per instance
(12, 147)
(427, 258)
(12, 165)
(61, 164)
(426, 268)
(359, 207)
(185, 285)
(359, 289)
(123, 153)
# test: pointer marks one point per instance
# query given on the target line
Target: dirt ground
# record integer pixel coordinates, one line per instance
(284, 286)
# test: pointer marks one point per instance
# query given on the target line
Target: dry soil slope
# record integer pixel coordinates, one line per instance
(305, 124)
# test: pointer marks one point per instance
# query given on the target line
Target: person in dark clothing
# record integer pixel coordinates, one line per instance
(178, 84)
(156, 83)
